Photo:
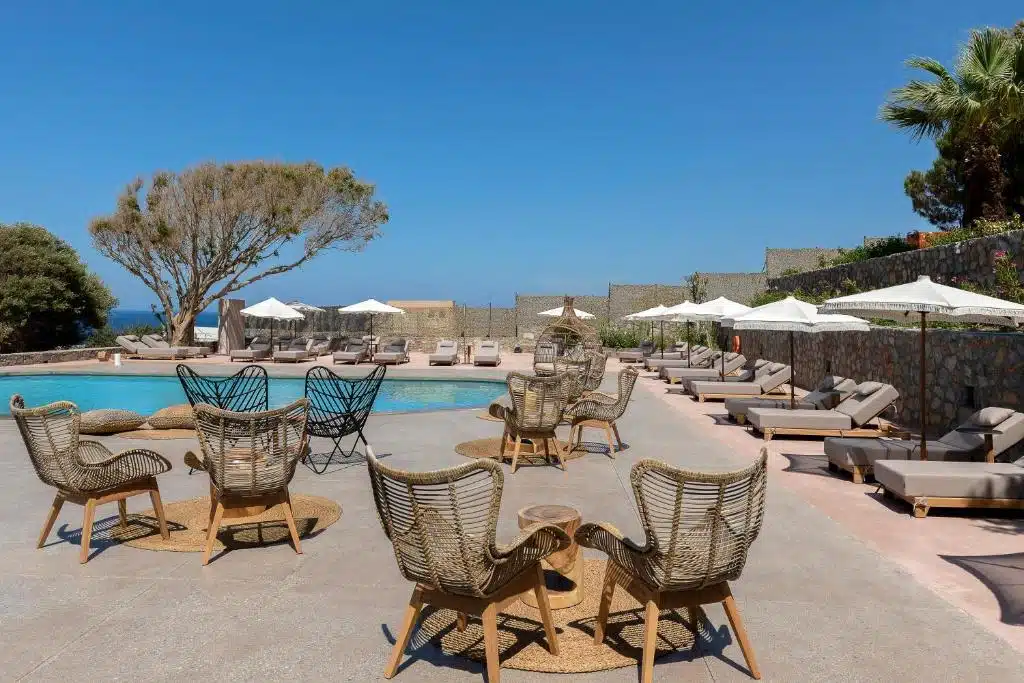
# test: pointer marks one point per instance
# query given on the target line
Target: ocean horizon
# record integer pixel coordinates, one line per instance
(120, 318)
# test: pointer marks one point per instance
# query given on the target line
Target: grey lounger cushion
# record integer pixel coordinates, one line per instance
(290, 355)
(764, 418)
(487, 353)
(447, 352)
(868, 401)
(777, 376)
(829, 393)
(353, 353)
(921, 478)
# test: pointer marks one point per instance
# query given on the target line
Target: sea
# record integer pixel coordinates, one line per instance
(120, 318)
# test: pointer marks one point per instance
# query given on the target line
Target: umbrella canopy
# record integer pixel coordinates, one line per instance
(371, 306)
(648, 314)
(925, 298)
(685, 312)
(792, 315)
(714, 311)
(305, 308)
(274, 310)
(558, 312)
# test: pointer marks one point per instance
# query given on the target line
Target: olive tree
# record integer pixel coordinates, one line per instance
(198, 235)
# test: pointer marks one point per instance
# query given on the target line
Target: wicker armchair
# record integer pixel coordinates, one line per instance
(339, 407)
(85, 472)
(577, 372)
(442, 525)
(598, 362)
(600, 411)
(698, 529)
(251, 459)
(538, 405)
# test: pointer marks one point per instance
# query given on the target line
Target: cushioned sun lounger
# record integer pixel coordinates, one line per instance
(257, 350)
(297, 351)
(487, 352)
(396, 351)
(859, 456)
(852, 417)
(927, 484)
(447, 353)
(133, 347)
(155, 341)
(772, 381)
(750, 372)
(734, 362)
(827, 395)
(354, 352)
(698, 358)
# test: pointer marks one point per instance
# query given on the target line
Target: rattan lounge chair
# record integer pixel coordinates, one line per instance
(443, 526)
(771, 382)
(577, 374)
(537, 408)
(734, 363)
(487, 352)
(339, 407)
(855, 416)
(446, 353)
(698, 528)
(355, 351)
(600, 411)
(257, 350)
(858, 456)
(251, 459)
(831, 390)
(85, 472)
(396, 351)
(298, 351)
(598, 363)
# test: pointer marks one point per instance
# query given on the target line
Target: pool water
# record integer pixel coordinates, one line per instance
(146, 394)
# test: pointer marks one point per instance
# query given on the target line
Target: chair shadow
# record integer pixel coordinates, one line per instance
(339, 463)
(600, 447)
(814, 465)
(102, 532)
(1001, 574)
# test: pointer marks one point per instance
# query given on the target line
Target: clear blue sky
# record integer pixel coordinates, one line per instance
(537, 147)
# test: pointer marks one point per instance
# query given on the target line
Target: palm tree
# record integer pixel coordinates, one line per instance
(980, 104)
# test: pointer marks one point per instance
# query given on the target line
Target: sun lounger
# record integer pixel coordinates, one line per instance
(698, 357)
(354, 352)
(853, 417)
(772, 381)
(827, 395)
(927, 484)
(734, 362)
(487, 352)
(297, 351)
(156, 341)
(636, 354)
(447, 353)
(258, 350)
(858, 456)
(750, 372)
(135, 348)
(396, 351)
(707, 361)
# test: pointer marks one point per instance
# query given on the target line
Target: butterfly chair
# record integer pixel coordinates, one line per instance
(698, 528)
(538, 404)
(251, 459)
(82, 471)
(246, 391)
(601, 411)
(442, 525)
(339, 407)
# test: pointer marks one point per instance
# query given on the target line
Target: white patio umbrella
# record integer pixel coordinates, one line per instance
(557, 313)
(792, 315)
(272, 309)
(928, 300)
(305, 309)
(371, 307)
(652, 314)
(715, 310)
(684, 313)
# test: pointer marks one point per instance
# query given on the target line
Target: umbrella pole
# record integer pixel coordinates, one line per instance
(371, 337)
(689, 344)
(792, 374)
(924, 397)
(271, 336)
(663, 339)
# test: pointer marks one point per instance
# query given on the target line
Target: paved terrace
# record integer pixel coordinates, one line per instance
(838, 587)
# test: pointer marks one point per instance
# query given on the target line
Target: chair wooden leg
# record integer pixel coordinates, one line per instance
(607, 592)
(461, 621)
(286, 505)
(490, 619)
(90, 512)
(736, 622)
(608, 437)
(558, 452)
(540, 590)
(412, 613)
(515, 453)
(211, 536)
(158, 508)
(651, 613)
(615, 428)
(504, 442)
(51, 517)
(122, 512)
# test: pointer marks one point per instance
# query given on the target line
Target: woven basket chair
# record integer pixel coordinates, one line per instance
(538, 405)
(577, 373)
(601, 411)
(85, 472)
(598, 362)
(443, 526)
(339, 407)
(699, 527)
(251, 459)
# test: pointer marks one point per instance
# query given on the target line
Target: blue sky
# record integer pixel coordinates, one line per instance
(531, 147)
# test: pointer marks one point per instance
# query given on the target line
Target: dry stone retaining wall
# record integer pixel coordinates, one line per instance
(32, 357)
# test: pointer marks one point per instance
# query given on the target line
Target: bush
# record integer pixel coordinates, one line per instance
(106, 335)
(980, 228)
(883, 247)
(614, 338)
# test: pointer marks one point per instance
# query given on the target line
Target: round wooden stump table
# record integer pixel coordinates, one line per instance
(564, 569)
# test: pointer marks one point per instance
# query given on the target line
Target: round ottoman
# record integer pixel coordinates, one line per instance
(173, 417)
(109, 421)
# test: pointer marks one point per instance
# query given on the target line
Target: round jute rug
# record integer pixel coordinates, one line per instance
(188, 521)
(490, 448)
(158, 434)
(521, 635)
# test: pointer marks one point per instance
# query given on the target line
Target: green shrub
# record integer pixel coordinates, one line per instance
(980, 228)
(106, 335)
(615, 338)
(884, 247)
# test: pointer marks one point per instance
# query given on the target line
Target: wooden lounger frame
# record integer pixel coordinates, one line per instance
(777, 392)
(871, 432)
(922, 504)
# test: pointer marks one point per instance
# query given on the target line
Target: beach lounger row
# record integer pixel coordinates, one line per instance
(153, 347)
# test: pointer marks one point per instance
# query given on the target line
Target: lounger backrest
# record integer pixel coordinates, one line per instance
(488, 346)
(446, 346)
(355, 346)
(1009, 424)
(831, 391)
(868, 401)
(128, 344)
(762, 367)
(154, 342)
(735, 363)
(778, 374)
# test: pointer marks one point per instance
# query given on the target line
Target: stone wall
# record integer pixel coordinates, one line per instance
(31, 357)
(777, 261)
(626, 299)
(529, 305)
(965, 371)
(739, 287)
(971, 260)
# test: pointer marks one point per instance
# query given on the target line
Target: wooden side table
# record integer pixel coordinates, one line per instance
(988, 433)
(566, 565)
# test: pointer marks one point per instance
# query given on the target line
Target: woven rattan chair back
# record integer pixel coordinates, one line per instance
(595, 376)
(577, 374)
(243, 392)
(442, 524)
(50, 433)
(251, 455)
(627, 380)
(538, 402)
(700, 524)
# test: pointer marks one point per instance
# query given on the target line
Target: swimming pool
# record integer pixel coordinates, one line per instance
(145, 394)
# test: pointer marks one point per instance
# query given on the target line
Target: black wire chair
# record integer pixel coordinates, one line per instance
(339, 407)
(246, 391)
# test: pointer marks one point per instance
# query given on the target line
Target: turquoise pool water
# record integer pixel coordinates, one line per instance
(146, 394)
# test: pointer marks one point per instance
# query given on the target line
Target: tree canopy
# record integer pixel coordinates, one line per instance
(198, 235)
(48, 298)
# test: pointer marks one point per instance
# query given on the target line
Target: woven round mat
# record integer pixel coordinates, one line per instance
(188, 520)
(158, 434)
(521, 635)
(490, 448)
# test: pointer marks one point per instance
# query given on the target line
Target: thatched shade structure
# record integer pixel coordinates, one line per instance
(566, 334)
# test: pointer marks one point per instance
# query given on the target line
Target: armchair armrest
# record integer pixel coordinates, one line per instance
(133, 463)
(533, 544)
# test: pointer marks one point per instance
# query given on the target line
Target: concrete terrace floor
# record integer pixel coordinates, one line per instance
(826, 596)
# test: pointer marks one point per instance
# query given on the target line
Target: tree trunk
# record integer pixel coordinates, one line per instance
(182, 328)
(985, 180)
